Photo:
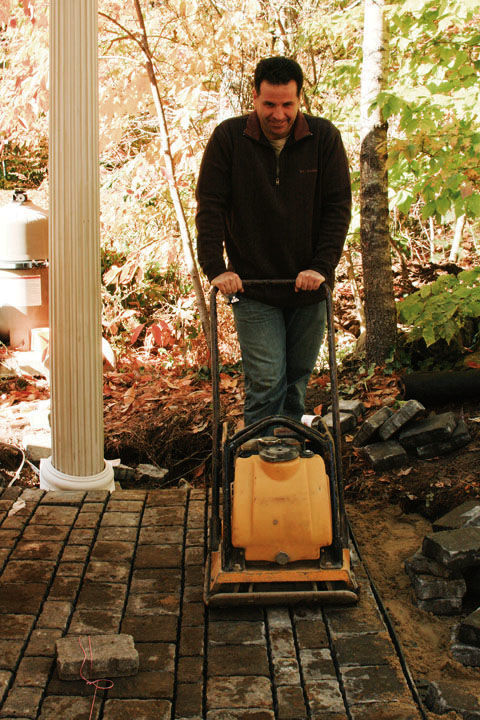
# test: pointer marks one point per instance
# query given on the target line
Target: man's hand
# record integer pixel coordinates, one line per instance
(228, 283)
(308, 280)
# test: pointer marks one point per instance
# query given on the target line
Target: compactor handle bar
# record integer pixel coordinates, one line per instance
(216, 433)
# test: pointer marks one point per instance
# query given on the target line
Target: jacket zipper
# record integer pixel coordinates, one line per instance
(277, 166)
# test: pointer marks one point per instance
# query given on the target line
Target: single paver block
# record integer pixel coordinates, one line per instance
(224, 660)
(15, 626)
(286, 671)
(354, 407)
(22, 702)
(69, 708)
(363, 618)
(427, 587)
(437, 428)
(324, 696)
(38, 445)
(34, 671)
(370, 427)
(158, 556)
(94, 622)
(146, 472)
(407, 413)
(164, 629)
(456, 549)
(348, 422)
(441, 606)
(239, 692)
(317, 664)
(144, 685)
(419, 564)
(42, 643)
(154, 604)
(108, 572)
(364, 650)
(54, 515)
(250, 714)
(459, 438)
(55, 614)
(28, 571)
(106, 656)
(189, 700)
(137, 710)
(390, 711)
(60, 498)
(10, 653)
(468, 513)
(190, 669)
(239, 633)
(443, 696)
(469, 630)
(468, 655)
(290, 702)
(385, 455)
(99, 595)
(123, 472)
(373, 683)
(24, 597)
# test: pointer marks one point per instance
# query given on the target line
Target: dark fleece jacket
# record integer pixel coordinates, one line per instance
(274, 216)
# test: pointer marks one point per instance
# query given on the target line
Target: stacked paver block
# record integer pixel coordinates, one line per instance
(447, 566)
(132, 562)
(387, 438)
(350, 413)
(443, 696)
(447, 559)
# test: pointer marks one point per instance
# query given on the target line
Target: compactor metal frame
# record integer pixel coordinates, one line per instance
(229, 579)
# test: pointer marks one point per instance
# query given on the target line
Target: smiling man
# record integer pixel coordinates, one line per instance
(274, 195)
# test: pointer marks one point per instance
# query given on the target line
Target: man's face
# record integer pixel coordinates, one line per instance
(277, 107)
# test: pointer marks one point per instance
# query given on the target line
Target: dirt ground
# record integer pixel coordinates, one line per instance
(387, 536)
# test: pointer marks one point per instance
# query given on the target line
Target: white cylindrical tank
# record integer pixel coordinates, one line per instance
(23, 231)
(23, 270)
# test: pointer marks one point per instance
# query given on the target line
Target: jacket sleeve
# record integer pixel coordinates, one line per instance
(336, 207)
(213, 193)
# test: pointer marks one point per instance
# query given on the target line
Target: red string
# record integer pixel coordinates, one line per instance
(96, 683)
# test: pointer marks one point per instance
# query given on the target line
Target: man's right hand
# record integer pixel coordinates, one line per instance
(228, 283)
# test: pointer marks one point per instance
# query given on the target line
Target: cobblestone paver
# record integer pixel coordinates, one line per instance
(132, 562)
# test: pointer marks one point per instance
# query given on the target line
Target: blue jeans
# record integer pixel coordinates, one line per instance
(279, 350)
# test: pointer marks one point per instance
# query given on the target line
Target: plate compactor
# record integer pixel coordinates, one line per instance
(278, 529)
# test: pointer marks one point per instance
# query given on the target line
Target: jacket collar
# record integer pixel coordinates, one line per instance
(253, 128)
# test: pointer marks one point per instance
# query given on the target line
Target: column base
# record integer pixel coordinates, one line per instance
(53, 479)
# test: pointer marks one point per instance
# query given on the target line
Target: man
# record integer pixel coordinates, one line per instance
(274, 192)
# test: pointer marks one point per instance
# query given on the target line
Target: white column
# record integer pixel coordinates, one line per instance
(77, 461)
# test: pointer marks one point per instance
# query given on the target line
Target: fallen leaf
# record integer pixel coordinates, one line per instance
(16, 507)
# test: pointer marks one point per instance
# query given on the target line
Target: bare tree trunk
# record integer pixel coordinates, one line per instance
(431, 239)
(374, 231)
(457, 239)
(172, 184)
(355, 290)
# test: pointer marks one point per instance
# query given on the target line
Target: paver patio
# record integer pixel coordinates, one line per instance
(132, 562)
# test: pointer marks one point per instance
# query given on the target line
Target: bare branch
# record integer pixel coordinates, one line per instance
(127, 32)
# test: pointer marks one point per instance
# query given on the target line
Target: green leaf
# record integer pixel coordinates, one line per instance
(429, 209)
(443, 204)
(429, 335)
(473, 204)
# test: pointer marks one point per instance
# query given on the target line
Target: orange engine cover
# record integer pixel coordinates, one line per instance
(281, 511)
